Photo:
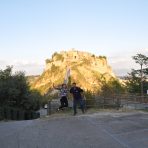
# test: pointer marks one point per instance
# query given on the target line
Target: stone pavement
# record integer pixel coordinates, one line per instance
(99, 130)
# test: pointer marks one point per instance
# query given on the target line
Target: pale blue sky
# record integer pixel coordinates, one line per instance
(31, 30)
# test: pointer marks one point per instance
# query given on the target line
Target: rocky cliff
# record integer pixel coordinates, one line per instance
(86, 69)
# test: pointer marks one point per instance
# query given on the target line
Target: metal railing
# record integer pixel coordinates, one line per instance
(10, 113)
(114, 101)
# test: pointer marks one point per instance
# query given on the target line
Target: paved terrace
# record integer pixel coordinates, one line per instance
(99, 130)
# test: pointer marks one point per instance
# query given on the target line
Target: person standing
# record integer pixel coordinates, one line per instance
(77, 97)
(63, 95)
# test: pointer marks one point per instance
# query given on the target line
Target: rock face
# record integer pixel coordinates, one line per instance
(86, 69)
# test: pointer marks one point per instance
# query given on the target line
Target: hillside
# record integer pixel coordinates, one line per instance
(86, 69)
(32, 78)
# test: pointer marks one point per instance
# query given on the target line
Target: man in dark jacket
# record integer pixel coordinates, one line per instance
(77, 97)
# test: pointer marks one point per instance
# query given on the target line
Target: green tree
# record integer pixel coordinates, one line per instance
(111, 87)
(90, 99)
(133, 81)
(15, 91)
(142, 60)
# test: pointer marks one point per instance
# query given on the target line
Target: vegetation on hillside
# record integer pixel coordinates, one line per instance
(102, 57)
(112, 87)
(58, 56)
(48, 61)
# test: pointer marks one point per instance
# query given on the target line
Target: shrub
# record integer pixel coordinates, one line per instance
(102, 57)
(58, 56)
(48, 61)
(54, 68)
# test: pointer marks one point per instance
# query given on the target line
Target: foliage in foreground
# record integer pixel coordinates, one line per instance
(15, 91)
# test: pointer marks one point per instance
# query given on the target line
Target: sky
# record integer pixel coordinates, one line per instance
(32, 30)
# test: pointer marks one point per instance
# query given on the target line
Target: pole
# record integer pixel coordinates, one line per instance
(49, 108)
(141, 83)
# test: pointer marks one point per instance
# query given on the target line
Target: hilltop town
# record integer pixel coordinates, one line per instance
(86, 69)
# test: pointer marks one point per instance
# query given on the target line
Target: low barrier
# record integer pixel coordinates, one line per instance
(116, 102)
(8, 113)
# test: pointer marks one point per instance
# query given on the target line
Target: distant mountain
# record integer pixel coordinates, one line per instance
(86, 69)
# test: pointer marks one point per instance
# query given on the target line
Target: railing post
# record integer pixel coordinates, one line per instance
(118, 103)
(49, 108)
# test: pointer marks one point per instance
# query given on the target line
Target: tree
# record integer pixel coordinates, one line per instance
(15, 91)
(133, 81)
(111, 87)
(142, 60)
